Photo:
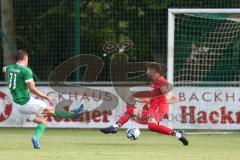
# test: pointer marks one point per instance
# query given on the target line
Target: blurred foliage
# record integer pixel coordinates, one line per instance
(46, 29)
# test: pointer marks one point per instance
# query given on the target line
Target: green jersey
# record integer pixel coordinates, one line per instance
(18, 76)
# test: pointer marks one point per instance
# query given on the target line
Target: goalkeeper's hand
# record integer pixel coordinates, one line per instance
(172, 99)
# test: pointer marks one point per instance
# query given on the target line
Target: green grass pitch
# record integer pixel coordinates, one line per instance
(80, 144)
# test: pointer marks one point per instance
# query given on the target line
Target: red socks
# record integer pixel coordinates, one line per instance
(160, 129)
(151, 126)
(126, 116)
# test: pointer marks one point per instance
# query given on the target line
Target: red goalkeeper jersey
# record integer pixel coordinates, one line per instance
(157, 97)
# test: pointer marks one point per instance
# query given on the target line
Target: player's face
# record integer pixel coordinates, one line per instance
(150, 72)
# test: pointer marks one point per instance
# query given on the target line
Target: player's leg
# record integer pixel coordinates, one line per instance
(48, 110)
(121, 121)
(42, 124)
(155, 127)
(141, 115)
(36, 108)
(157, 115)
(129, 113)
(33, 111)
(61, 113)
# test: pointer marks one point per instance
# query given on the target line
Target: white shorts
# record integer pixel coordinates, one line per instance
(33, 108)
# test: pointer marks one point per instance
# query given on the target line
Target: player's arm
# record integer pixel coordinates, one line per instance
(32, 87)
(171, 98)
(28, 77)
(4, 69)
(166, 89)
(142, 100)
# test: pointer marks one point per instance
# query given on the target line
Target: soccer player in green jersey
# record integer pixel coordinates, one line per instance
(21, 83)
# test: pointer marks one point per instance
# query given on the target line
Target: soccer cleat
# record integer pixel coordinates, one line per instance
(79, 110)
(36, 143)
(110, 129)
(183, 138)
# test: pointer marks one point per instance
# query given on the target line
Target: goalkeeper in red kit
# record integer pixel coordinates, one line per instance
(159, 106)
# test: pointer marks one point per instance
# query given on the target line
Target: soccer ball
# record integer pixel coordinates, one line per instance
(133, 133)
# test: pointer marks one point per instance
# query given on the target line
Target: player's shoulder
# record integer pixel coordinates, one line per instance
(27, 70)
(24, 69)
(6, 68)
(161, 78)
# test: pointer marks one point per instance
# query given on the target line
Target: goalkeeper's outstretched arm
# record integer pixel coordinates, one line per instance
(170, 97)
(142, 100)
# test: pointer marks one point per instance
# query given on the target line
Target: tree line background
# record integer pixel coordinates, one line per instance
(49, 29)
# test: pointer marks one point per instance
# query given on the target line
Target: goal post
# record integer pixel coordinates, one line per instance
(203, 46)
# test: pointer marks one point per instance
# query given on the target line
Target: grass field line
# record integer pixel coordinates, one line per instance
(211, 133)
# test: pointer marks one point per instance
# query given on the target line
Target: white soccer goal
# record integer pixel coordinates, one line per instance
(204, 47)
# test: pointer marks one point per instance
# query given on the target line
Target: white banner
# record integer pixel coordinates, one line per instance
(206, 108)
(102, 117)
(198, 108)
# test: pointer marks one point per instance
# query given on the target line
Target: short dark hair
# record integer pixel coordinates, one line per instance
(153, 65)
(21, 54)
(158, 67)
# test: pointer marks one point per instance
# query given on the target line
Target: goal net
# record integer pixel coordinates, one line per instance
(204, 47)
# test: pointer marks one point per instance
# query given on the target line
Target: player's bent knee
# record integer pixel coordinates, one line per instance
(49, 110)
(40, 119)
(52, 111)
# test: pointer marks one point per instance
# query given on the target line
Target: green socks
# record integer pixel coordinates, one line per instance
(61, 113)
(58, 114)
(39, 131)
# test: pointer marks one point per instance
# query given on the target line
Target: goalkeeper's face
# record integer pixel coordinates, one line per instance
(151, 72)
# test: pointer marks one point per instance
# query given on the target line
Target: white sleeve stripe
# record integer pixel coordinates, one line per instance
(28, 80)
